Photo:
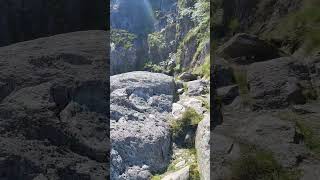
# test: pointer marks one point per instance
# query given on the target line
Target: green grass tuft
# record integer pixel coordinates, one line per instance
(189, 118)
(259, 165)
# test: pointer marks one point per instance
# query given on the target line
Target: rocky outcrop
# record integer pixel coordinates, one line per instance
(228, 93)
(246, 49)
(140, 107)
(198, 87)
(182, 174)
(25, 20)
(53, 122)
(278, 83)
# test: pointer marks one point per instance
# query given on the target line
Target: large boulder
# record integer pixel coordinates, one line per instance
(53, 122)
(198, 87)
(277, 83)
(228, 93)
(141, 103)
(247, 49)
(23, 21)
(182, 174)
(273, 134)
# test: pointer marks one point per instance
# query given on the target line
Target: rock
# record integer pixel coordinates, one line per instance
(310, 169)
(198, 87)
(141, 103)
(177, 110)
(270, 133)
(136, 172)
(228, 93)
(180, 91)
(223, 73)
(182, 174)
(123, 56)
(314, 69)
(277, 83)
(53, 112)
(246, 49)
(180, 164)
(202, 144)
(224, 151)
(186, 76)
(41, 18)
(190, 102)
(179, 84)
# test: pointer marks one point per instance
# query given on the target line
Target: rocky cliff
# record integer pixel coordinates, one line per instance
(155, 112)
(267, 87)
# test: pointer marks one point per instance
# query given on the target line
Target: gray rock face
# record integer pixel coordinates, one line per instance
(186, 76)
(228, 93)
(202, 144)
(140, 105)
(223, 73)
(53, 122)
(223, 151)
(122, 60)
(23, 21)
(182, 174)
(198, 87)
(276, 135)
(247, 49)
(277, 83)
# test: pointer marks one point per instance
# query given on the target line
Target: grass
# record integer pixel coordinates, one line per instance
(156, 177)
(241, 79)
(205, 103)
(189, 118)
(256, 164)
(204, 69)
(189, 155)
(300, 27)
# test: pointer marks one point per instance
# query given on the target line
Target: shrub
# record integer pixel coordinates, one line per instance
(122, 38)
(156, 39)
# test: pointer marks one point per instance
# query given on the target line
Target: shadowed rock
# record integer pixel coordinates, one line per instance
(53, 122)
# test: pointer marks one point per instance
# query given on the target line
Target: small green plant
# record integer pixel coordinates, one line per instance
(255, 164)
(194, 172)
(189, 118)
(241, 79)
(149, 66)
